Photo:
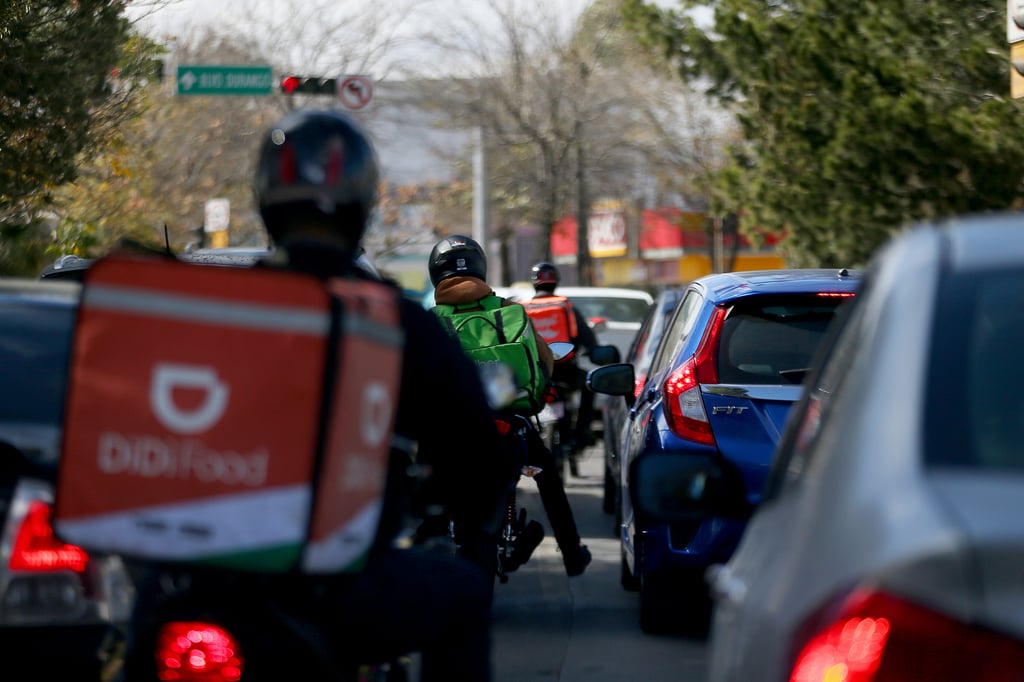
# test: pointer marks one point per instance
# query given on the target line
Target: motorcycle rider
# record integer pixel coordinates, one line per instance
(458, 271)
(316, 186)
(545, 279)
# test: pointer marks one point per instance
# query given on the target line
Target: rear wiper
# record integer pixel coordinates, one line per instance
(795, 376)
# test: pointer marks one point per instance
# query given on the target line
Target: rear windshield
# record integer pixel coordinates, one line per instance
(34, 342)
(771, 340)
(976, 374)
(610, 308)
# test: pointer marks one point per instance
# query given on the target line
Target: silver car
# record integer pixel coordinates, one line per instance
(889, 545)
(615, 313)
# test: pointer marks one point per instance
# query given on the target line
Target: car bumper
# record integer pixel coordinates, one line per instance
(685, 547)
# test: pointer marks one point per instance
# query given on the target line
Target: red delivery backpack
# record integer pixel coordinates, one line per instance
(228, 416)
(552, 317)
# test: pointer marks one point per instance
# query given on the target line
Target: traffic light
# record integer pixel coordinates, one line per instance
(307, 85)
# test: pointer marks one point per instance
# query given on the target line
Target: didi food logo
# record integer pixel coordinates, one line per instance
(168, 378)
(185, 457)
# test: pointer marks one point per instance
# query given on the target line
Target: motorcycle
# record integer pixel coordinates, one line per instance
(518, 537)
(217, 626)
(558, 420)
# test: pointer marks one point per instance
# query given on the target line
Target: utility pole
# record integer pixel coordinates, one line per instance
(481, 189)
(717, 246)
(584, 264)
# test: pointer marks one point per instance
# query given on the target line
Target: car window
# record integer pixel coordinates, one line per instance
(34, 345)
(612, 308)
(646, 342)
(676, 334)
(639, 343)
(976, 374)
(771, 339)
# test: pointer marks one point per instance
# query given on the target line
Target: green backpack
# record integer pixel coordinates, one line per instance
(491, 332)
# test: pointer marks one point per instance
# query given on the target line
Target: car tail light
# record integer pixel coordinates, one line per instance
(836, 294)
(875, 637)
(194, 651)
(684, 402)
(638, 385)
(36, 548)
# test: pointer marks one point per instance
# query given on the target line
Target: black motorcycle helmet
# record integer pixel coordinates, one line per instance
(456, 255)
(544, 275)
(318, 167)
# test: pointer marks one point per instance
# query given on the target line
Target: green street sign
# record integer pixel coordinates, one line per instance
(204, 79)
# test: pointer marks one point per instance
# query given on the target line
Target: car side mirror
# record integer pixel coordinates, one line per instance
(614, 379)
(605, 355)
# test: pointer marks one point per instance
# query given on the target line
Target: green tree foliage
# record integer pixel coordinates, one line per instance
(57, 58)
(858, 117)
(166, 161)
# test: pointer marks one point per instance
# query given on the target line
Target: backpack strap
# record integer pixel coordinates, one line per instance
(447, 321)
(499, 326)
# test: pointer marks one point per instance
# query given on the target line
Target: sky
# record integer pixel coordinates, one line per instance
(360, 29)
(177, 16)
(413, 17)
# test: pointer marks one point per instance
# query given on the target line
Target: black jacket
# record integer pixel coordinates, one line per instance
(442, 407)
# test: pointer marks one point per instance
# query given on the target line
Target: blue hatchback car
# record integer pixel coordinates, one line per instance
(725, 374)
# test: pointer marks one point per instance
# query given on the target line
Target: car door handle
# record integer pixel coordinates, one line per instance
(648, 396)
(724, 586)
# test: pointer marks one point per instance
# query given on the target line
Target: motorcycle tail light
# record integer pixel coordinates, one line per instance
(503, 426)
(36, 548)
(194, 651)
(876, 637)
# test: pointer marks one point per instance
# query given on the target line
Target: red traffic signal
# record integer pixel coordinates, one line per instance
(306, 85)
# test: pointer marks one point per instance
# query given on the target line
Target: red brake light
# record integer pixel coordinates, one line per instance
(638, 385)
(684, 403)
(197, 652)
(686, 415)
(36, 548)
(876, 637)
(836, 294)
(503, 426)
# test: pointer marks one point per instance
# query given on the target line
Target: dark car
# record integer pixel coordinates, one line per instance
(889, 542)
(59, 606)
(67, 267)
(725, 374)
(640, 355)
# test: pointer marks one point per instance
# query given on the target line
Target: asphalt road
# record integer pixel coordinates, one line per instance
(549, 627)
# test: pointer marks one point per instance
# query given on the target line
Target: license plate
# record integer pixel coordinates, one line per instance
(552, 412)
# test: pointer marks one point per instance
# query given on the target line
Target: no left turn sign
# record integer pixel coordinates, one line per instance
(355, 92)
